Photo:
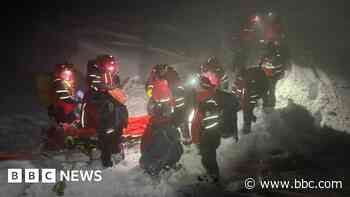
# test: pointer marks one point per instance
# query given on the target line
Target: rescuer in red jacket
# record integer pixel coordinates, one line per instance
(65, 105)
(206, 123)
(160, 145)
(103, 111)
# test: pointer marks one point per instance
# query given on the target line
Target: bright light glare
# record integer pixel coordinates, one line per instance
(193, 81)
(67, 72)
(256, 19)
(66, 75)
(110, 68)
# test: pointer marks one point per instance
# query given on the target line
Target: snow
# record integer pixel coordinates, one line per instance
(125, 179)
(325, 96)
(137, 98)
(278, 131)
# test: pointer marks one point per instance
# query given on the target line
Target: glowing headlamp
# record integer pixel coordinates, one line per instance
(111, 68)
(194, 81)
(256, 19)
(66, 75)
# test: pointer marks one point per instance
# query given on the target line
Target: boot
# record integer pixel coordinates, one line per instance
(117, 158)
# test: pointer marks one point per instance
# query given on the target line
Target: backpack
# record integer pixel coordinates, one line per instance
(109, 112)
(45, 90)
(230, 106)
(212, 114)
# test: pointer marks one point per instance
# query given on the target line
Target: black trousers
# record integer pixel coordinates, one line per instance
(248, 115)
(109, 144)
(271, 100)
(209, 142)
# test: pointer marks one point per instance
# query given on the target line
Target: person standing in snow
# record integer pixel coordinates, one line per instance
(214, 113)
(103, 109)
(274, 62)
(251, 85)
(255, 37)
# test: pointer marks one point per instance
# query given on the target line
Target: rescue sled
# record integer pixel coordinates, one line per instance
(55, 139)
(136, 126)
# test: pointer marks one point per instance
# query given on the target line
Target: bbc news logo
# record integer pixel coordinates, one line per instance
(51, 175)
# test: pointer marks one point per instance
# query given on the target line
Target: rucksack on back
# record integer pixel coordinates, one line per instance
(230, 105)
(45, 89)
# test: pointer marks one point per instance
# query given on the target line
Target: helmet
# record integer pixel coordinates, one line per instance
(160, 70)
(213, 61)
(107, 63)
(64, 81)
(211, 64)
(255, 19)
(64, 72)
(158, 73)
(102, 73)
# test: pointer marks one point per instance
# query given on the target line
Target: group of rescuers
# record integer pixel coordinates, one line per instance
(180, 113)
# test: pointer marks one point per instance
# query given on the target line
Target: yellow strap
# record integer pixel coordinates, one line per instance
(149, 91)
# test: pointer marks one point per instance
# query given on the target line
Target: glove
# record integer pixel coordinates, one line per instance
(118, 94)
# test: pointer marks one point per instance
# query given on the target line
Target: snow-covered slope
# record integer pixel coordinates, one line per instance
(282, 140)
(324, 95)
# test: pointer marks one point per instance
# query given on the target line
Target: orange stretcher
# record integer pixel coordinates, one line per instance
(136, 128)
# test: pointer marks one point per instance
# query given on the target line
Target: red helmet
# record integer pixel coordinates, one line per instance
(102, 73)
(64, 81)
(107, 63)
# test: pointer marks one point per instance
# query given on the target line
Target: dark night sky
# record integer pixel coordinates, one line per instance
(21, 21)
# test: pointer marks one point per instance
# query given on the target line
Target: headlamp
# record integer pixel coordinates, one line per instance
(256, 19)
(66, 75)
(194, 80)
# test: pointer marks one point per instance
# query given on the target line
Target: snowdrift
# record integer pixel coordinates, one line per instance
(325, 95)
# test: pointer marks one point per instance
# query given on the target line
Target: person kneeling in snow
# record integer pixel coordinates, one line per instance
(64, 105)
(160, 144)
